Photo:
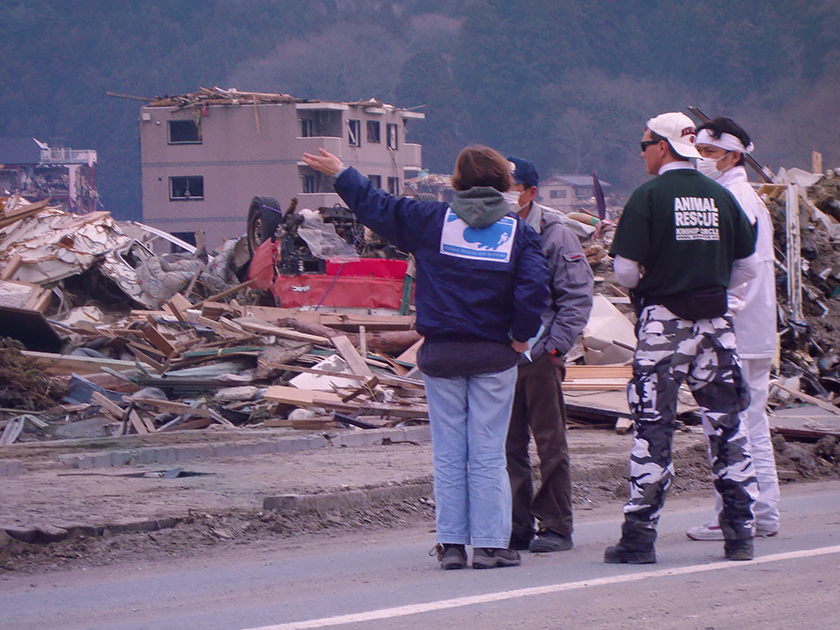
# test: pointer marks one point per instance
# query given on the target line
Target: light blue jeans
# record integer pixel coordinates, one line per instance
(469, 419)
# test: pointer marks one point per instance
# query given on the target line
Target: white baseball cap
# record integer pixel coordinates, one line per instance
(678, 129)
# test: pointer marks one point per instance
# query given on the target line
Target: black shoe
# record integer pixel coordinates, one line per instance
(619, 554)
(738, 549)
(548, 540)
(450, 556)
(489, 558)
(520, 543)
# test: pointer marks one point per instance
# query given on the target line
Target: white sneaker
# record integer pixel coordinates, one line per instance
(712, 531)
(708, 531)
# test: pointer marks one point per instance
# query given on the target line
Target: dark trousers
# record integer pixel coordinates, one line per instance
(538, 410)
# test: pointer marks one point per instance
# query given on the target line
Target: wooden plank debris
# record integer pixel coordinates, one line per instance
(308, 398)
(316, 423)
(154, 337)
(12, 430)
(254, 325)
(108, 405)
(584, 378)
(178, 305)
(11, 267)
(23, 212)
(183, 408)
(366, 387)
(137, 423)
(226, 292)
(354, 360)
(822, 404)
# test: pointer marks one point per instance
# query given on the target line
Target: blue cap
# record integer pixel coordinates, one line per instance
(524, 172)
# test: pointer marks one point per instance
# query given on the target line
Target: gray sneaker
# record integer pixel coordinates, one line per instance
(490, 558)
(548, 540)
(450, 556)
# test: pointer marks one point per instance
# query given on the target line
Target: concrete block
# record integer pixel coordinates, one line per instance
(120, 458)
(189, 453)
(348, 499)
(10, 467)
(263, 448)
(86, 462)
(23, 534)
(50, 534)
(101, 460)
(224, 450)
(167, 455)
(289, 445)
(420, 433)
(358, 438)
(70, 460)
(395, 435)
(243, 449)
(316, 441)
(147, 456)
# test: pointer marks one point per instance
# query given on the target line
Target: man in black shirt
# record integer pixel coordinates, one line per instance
(692, 241)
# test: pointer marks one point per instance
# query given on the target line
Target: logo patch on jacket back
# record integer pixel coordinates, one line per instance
(493, 243)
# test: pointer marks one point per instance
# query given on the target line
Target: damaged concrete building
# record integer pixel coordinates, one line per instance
(204, 156)
(34, 169)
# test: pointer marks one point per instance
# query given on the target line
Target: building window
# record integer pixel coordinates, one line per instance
(191, 187)
(184, 132)
(373, 132)
(355, 137)
(394, 185)
(307, 128)
(392, 136)
(309, 185)
(558, 194)
(376, 180)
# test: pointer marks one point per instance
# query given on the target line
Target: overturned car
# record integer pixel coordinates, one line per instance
(324, 258)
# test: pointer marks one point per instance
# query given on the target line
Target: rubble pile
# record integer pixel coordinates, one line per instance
(219, 96)
(130, 341)
(134, 342)
(430, 187)
(810, 349)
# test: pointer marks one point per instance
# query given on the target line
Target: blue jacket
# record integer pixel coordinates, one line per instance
(472, 282)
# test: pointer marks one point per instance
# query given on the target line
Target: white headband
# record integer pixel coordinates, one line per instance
(726, 141)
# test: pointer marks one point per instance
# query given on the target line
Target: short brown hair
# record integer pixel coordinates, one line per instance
(478, 165)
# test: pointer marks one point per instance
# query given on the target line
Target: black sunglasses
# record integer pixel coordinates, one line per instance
(646, 143)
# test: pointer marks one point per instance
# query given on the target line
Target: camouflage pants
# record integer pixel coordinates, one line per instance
(702, 354)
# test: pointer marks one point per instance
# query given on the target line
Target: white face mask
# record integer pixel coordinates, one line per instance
(708, 166)
(512, 198)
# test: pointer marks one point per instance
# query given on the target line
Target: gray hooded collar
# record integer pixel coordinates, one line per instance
(480, 206)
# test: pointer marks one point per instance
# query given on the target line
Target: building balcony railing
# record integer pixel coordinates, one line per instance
(411, 155)
(68, 156)
(311, 145)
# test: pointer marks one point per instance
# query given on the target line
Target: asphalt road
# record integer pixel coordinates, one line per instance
(386, 580)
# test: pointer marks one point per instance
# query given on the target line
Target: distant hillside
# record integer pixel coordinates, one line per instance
(567, 84)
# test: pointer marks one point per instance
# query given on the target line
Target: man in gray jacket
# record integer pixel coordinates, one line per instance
(538, 407)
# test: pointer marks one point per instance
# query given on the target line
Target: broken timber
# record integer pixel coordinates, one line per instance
(310, 398)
